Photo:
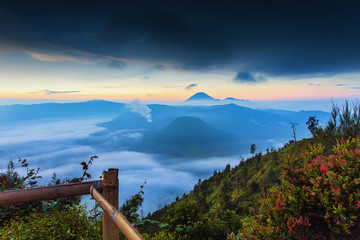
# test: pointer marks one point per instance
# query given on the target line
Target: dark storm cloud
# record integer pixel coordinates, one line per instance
(274, 37)
(191, 86)
(248, 77)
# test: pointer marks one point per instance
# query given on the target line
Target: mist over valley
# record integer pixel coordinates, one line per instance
(171, 146)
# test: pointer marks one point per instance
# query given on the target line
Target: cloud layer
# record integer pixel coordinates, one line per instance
(271, 37)
(248, 77)
(54, 147)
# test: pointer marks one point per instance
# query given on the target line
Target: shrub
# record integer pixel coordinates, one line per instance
(70, 223)
(319, 197)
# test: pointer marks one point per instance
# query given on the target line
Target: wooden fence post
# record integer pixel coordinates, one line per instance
(111, 194)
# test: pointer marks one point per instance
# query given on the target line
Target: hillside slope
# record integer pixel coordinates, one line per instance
(232, 191)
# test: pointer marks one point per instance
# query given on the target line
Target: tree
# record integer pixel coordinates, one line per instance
(253, 149)
(313, 124)
(227, 168)
(293, 127)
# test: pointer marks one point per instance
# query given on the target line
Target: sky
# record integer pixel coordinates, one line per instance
(168, 50)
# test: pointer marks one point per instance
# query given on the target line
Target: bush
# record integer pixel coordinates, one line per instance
(70, 223)
(319, 197)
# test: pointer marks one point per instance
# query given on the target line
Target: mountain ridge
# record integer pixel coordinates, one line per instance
(201, 96)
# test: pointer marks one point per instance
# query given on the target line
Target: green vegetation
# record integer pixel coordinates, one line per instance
(308, 189)
(343, 123)
(219, 205)
(319, 197)
(68, 223)
(63, 218)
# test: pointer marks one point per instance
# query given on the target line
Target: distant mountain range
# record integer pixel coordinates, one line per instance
(21, 112)
(201, 96)
(175, 128)
(188, 130)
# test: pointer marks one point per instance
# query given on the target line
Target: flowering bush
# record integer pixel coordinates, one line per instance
(319, 196)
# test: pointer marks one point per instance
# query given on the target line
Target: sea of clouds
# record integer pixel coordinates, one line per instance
(58, 146)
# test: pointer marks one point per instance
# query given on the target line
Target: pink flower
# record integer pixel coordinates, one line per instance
(356, 181)
(323, 168)
(337, 191)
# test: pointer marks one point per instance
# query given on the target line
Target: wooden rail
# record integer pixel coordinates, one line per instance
(126, 228)
(112, 218)
(48, 192)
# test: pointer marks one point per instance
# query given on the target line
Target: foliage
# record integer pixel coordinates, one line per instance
(69, 223)
(61, 218)
(319, 197)
(163, 235)
(313, 124)
(85, 175)
(186, 222)
(253, 148)
(31, 174)
(131, 206)
(343, 123)
(11, 180)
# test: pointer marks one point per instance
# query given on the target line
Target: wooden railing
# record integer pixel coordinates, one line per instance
(113, 220)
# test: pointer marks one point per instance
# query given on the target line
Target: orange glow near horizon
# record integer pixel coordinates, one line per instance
(172, 87)
(281, 94)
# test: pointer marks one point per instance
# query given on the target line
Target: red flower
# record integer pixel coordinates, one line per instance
(323, 168)
(278, 207)
(337, 191)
